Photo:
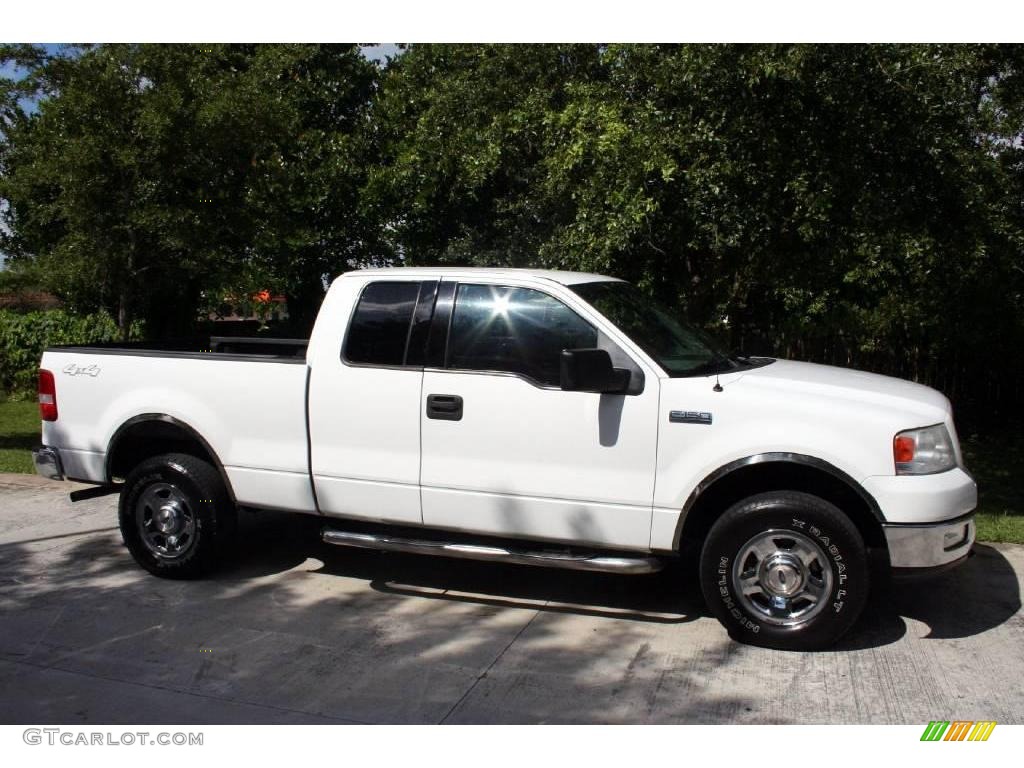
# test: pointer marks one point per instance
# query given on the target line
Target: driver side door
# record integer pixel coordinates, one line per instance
(505, 450)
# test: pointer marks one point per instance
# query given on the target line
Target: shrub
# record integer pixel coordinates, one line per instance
(24, 336)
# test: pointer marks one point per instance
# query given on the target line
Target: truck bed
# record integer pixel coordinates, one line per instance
(246, 397)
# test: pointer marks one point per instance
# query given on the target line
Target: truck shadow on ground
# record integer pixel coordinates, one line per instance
(972, 598)
(304, 629)
(307, 631)
(272, 544)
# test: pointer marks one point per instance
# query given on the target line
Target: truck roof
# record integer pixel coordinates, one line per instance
(558, 276)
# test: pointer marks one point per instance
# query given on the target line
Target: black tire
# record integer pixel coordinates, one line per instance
(201, 517)
(784, 522)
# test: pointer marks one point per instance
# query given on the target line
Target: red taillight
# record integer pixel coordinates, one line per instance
(47, 396)
(903, 449)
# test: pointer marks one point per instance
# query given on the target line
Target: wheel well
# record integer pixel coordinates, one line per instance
(724, 489)
(146, 436)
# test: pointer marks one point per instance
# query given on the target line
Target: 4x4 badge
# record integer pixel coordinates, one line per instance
(73, 369)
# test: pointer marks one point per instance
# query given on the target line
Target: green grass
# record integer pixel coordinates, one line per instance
(997, 463)
(19, 434)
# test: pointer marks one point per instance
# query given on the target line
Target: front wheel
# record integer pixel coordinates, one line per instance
(175, 515)
(785, 570)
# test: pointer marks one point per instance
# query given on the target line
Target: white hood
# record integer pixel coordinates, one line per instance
(826, 381)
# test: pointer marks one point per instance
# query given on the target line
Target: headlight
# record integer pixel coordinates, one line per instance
(923, 451)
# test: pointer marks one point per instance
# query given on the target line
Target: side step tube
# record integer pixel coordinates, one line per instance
(578, 562)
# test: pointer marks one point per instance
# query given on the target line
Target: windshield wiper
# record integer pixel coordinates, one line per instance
(718, 364)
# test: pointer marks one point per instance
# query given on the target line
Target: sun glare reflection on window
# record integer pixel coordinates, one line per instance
(499, 305)
(518, 330)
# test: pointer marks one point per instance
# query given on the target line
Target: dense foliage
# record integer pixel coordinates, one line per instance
(152, 174)
(24, 336)
(861, 205)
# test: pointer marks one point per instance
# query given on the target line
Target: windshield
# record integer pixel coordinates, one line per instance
(676, 346)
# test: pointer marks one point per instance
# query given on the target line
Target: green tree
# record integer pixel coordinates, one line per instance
(152, 174)
(858, 205)
(852, 204)
(295, 119)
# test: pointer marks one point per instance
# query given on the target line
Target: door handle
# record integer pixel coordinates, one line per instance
(444, 407)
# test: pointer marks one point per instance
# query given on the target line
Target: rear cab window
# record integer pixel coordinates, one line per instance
(389, 324)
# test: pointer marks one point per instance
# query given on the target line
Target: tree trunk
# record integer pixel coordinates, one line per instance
(124, 322)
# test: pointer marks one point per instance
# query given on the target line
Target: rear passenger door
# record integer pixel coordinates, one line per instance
(364, 421)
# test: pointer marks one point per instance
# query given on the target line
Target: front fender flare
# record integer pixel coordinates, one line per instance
(773, 457)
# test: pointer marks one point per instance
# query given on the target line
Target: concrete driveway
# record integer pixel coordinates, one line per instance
(296, 631)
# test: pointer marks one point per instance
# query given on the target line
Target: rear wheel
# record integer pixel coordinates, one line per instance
(785, 570)
(175, 515)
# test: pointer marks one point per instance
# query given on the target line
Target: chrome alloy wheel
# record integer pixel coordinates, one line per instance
(166, 521)
(782, 577)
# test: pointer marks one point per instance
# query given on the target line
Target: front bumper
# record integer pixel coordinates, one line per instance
(923, 499)
(930, 545)
(47, 462)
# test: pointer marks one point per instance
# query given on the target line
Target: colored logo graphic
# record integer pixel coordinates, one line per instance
(958, 730)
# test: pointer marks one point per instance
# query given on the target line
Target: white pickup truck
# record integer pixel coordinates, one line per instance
(534, 417)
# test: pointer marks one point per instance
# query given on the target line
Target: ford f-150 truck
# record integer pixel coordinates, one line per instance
(534, 417)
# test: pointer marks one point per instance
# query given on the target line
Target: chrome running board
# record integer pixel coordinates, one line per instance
(634, 564)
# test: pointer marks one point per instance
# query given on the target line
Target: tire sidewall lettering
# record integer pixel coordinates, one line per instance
(840, 592)
(726, 597)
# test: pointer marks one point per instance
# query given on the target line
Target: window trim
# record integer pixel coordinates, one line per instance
(440, 324)
(507, 374)
(427, 302)
(408, 334)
